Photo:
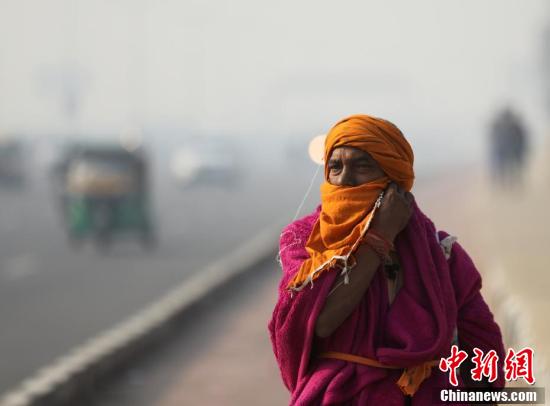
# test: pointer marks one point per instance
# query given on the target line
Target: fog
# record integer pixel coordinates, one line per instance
(271, 70)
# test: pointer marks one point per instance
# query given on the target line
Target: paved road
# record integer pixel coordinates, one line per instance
(53, 298)
(221, 357)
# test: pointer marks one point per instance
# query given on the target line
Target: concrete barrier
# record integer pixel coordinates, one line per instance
(75, 376)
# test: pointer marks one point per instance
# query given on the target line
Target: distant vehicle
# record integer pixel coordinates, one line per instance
(12, 162)
(103, 193)
(213, 163)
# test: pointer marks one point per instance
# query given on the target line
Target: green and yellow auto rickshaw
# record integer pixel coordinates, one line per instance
(106, 195)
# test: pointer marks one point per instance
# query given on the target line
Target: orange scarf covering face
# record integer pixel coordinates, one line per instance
(346, 211)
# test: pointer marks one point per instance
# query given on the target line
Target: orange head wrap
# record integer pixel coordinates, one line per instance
(346, 211)
(381, 139)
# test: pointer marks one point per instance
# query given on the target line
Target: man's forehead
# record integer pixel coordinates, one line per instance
(349, 153)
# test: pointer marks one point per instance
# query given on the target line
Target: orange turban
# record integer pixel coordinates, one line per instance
(381, 139)
(346, 211)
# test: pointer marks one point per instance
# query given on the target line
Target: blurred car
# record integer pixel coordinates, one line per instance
(104, 193)
(213, 163)
(12, 161)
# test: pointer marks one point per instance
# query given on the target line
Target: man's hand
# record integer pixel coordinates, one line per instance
(394, 212)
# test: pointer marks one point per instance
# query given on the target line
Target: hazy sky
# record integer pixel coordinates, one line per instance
(439, 69)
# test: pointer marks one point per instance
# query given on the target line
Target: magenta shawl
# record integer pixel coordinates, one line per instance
(437, 295)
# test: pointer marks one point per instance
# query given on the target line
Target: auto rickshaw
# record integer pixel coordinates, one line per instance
(106, 195)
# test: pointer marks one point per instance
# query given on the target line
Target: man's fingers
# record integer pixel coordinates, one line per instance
(394, 188)
(399, 190)
(390, 190)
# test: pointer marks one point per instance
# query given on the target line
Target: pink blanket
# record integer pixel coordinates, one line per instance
(437, 296)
